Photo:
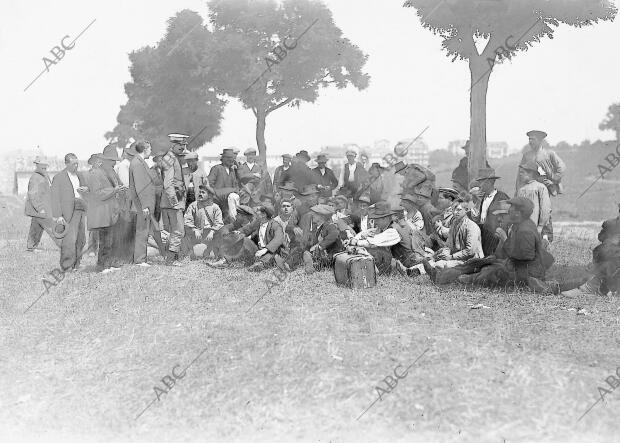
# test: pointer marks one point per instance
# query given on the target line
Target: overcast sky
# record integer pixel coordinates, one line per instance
(562, 86)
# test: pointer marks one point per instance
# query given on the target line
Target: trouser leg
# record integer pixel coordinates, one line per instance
(68, 247)
(143, 227)
(80, 241)
(34, 234)
(106, 241)
(233, 202)
(173, 223)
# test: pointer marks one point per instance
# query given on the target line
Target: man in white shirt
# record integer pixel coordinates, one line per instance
(203, 219)
(490, 201)
(352, 174)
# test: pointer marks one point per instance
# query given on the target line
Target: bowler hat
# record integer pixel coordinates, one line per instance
(289, 186)
(109, 153)
(321, 158)
(228, 152)
(536, 133)
(303, 154)
(486, 174)
(309, 190)
(323, 210)
(524, 205)
(380, 209)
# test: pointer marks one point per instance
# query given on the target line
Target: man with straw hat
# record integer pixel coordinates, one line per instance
(39, 206)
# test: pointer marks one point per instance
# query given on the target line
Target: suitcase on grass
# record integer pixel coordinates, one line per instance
(355, 271)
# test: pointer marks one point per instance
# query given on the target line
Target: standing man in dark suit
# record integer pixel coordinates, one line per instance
(39, 206)
(277, 175)
(489, 202)
(173, 197)
(352, 175)
(326, 181)
(224, 181)
(142, 195)
(69, 209)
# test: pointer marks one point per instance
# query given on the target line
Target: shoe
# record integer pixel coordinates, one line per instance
(400, 268)
(432, 272)
(583, 290)
(538, 286)
(143, 265)
(257, 267)
(107, 271)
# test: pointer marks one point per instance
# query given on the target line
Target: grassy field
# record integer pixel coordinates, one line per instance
(303, 363)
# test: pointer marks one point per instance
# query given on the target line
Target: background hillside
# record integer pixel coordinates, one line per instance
(599, 203)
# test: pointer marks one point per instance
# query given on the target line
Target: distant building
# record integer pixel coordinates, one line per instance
(494, 149)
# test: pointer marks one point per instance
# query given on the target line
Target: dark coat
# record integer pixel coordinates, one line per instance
(328, 238)
(491, 223)
(524, 250)
(39, 199)
(63, 197)
(328, 179)
(277, 177)
(103, 206)
(142, 186)
(274, 236)
(609, 230)
(223, 182)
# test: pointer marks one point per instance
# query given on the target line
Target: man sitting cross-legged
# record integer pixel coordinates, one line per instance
(269, 237)
(202, 220)
(464, 242)
(410, 252)
(324, 240)
(229, 245)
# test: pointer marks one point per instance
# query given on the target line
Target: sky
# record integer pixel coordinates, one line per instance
(563, 86)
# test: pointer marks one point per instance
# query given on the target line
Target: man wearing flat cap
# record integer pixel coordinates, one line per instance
(379, 240)
(489, 197)
(39, 206)
(174, 195)
(536, 192)
(324, 240)
(551, 169)
(251, 167)
(352, 175)
(326, 180)
(277, 175)
(269, 237)
(224, 180)
(194, 177)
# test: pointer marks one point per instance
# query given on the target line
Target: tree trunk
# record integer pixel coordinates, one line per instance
(479, 70)
(261, 117)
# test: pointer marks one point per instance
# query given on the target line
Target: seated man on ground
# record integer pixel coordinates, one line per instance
(229, 245)
(442, 221)
(464, 242)
(410, 251)
(325, 240)
(269, 235)
(381, 238)
(203, 219)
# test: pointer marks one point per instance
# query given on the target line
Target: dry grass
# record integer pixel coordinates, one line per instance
(303, 363)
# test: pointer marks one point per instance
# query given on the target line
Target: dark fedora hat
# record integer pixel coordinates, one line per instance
(380, 209)
(303, 154)
(486, 174)
(109, 153)
(321, 158)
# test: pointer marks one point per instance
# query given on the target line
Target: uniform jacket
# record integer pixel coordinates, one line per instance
(274, 236)
(63, 197)
(103, 206)
(174, 193)
(142, 185)
(39, 199)
(464, 240)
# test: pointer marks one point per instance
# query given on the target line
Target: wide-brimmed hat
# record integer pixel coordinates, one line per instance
(321, 158)
(228, 152)
(323, 210)
(40, 161)
(530, 166)
(289, 186)
(303, 154)
(536, 133)
(249, 151)
(245, 209)
(380, 209)
(486, 174)
(109, 153)
(449, 191)
(309, 190)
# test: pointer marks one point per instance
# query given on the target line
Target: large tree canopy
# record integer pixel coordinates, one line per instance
(168, 92)
(509, 26)
(612, 120)
(263, 40)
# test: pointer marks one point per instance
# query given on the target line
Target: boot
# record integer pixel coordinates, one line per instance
(430, 270)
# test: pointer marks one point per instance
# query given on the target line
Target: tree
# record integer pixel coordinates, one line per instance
(272, 54)
(612, 120)
(168, 92)
(508, 26)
